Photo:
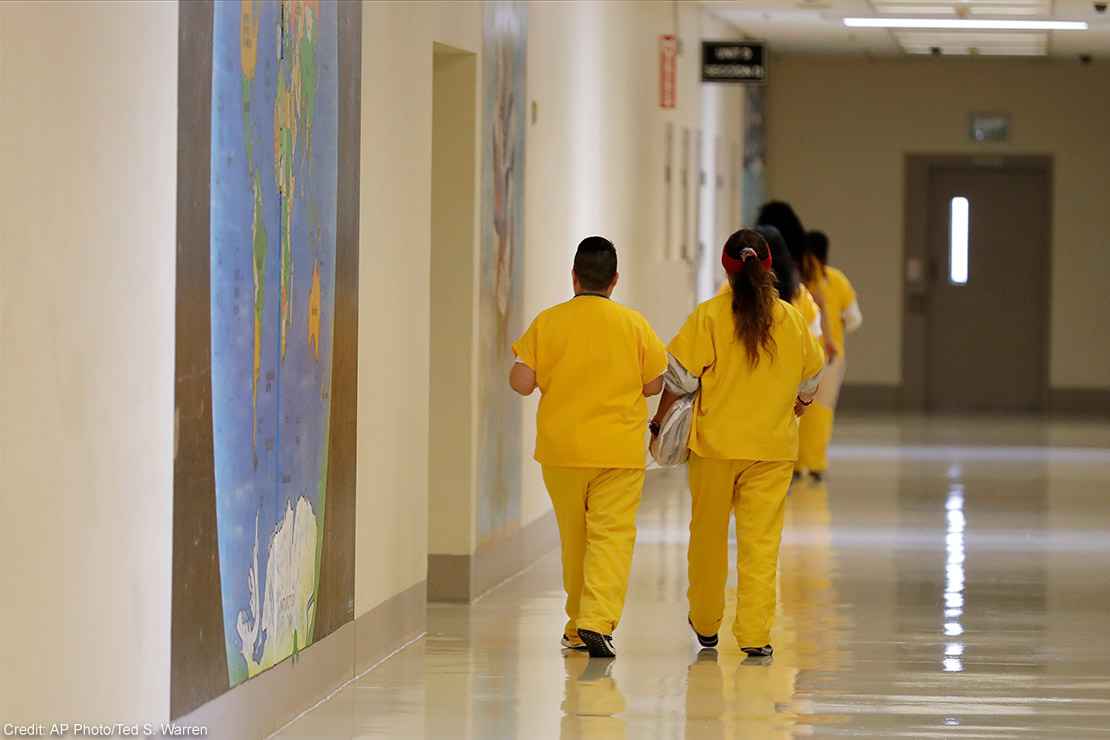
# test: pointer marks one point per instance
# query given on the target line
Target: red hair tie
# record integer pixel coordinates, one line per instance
(734, 265)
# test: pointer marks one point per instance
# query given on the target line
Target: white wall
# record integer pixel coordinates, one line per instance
(391, 545)
(87, 179)
(838, 132)
(456, 178)
(88, 187)
(722, 108)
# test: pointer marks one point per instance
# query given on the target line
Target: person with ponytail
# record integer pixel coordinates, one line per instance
(787, 280)
(755, 366)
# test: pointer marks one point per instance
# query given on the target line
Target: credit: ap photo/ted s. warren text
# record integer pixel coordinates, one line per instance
(84, 729)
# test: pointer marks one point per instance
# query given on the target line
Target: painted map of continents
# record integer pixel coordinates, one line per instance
(273, 210)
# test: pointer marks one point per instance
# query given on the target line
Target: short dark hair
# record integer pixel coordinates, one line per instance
(819, 245)
(595, 263)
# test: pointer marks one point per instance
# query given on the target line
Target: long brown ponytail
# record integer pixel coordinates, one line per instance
(753, 293)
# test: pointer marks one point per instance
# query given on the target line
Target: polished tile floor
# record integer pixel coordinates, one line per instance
(952, 579)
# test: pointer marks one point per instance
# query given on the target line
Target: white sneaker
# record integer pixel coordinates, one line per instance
(566, 643)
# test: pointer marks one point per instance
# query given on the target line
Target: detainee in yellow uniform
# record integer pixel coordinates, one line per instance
(803, 301)
(743, 439)
(594, 362)
(844, 316)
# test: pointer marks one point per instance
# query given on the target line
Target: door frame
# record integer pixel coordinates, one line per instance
(915, 286)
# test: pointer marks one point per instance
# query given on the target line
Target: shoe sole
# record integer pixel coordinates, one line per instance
(700, 639)
(597, 645)
(571, 646)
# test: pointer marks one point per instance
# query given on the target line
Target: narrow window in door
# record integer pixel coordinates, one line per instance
(960, 210)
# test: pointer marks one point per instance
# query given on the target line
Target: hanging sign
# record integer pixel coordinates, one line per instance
(734, 61)
(668, 62)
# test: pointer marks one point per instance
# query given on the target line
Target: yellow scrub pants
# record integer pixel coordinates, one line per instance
(756, 491)
(596, 511)
(816, 425)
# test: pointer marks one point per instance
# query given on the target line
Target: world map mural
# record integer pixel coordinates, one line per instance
(267, 287)
(274, 185)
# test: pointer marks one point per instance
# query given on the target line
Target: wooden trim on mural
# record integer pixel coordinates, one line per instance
(335, 600)
(198, 661)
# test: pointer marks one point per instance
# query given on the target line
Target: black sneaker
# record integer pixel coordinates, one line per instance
(569, 644)
(599, 645)
(817, 475)
(759, 652)
(707, 642)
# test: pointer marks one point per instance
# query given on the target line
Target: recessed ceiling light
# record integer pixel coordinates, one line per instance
(976, 24)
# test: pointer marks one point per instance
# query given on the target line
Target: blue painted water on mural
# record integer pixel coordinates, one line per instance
(273, 217)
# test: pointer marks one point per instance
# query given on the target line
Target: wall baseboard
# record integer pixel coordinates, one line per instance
(394, 622)
(264, 704)
(1080, 402)
(863, 397)
(1090, 403)
(496, 561)
(463, 578)
(449, 578)
(269, 701)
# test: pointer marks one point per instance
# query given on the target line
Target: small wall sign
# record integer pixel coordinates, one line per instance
(990, 127)
(734, 61)
(668, 76)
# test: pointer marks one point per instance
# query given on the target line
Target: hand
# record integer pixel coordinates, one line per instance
(830, 351)
(800, 406)
(653, 427)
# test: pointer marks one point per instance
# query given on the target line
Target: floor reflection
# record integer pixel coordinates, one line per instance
(948, 581)
(592, 701)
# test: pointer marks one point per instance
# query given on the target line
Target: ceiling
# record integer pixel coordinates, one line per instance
(816, 27)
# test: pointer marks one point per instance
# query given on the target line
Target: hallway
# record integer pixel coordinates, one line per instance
(948, 581)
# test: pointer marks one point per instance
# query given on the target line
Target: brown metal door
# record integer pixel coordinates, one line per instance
(987, 336)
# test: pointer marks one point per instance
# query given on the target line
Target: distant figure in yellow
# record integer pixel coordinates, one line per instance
(844, 317)
(594, 361)
(755, 365)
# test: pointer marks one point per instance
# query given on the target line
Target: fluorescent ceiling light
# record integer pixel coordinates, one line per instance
(981, 25)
